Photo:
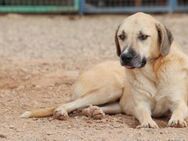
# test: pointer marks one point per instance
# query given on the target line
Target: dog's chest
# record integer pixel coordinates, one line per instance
(143, 82)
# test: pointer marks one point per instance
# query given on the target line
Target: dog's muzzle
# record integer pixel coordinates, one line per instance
(131, 60)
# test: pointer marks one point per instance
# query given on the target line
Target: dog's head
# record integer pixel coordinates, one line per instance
(141, 38)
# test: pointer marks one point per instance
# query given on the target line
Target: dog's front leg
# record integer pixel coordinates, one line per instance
(179, 113)
(172, 97)
(143, 113)
(139, 104)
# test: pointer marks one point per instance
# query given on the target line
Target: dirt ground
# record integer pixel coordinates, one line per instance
(40, 59)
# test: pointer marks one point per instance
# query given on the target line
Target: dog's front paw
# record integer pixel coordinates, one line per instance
(178, 123)
(60, 113)
(94, 112)
(148, 124)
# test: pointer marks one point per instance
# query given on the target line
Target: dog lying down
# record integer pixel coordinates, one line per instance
(152, 82)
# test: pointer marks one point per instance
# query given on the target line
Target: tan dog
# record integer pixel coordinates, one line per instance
(155, 81)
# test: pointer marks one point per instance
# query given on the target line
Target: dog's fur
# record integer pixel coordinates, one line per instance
(154, 81)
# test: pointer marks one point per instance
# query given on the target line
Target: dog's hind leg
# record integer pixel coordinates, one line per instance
(98, 112)
(98, 97)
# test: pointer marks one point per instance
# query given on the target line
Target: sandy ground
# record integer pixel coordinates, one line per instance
(40, 57)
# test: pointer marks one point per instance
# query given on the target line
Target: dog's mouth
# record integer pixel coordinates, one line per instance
(129, 67)
(134, 64)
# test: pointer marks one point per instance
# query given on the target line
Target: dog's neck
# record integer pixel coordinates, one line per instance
(146, 72)
(152, 69)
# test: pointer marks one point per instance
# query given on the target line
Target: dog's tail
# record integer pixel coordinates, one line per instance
(39, 113)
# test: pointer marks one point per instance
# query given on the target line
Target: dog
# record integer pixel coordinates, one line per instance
(152, 81)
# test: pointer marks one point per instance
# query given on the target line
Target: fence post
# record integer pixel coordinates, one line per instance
(172, 5)
(81, 5)
(77, 5)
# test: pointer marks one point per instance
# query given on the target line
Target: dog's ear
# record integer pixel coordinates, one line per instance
(118, 49)
(165, 39)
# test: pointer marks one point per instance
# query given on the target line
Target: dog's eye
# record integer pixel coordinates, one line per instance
(143, 37)
(122, 37)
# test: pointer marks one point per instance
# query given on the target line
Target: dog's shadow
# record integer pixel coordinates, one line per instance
(121, 120)
(132, 122)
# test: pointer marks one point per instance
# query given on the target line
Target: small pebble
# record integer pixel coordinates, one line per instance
(3, 136)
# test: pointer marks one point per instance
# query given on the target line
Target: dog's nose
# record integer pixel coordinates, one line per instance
(126, 57)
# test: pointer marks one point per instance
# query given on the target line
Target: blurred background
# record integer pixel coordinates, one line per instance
(61, 29)
(45, 44)
(92, 6)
